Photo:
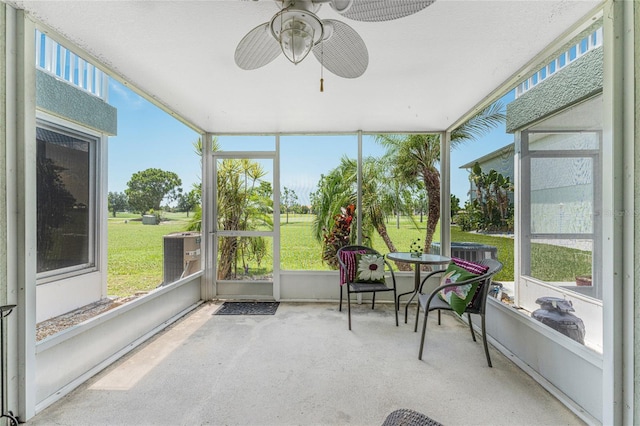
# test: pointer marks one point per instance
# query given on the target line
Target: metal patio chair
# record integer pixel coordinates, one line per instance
(348, 273)
(428, 302)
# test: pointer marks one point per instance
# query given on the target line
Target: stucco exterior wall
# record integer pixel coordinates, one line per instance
(503, 164)
(65, 101)
(579, 80)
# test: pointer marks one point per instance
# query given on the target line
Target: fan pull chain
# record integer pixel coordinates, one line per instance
(322, 65)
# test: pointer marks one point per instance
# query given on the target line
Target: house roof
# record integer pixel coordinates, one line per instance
(507, 149)
(425, 71)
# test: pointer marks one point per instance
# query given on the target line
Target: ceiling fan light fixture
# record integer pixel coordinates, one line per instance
(296, 40)
(296, 31)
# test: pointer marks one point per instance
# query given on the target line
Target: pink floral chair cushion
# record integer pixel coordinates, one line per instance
(351, 263)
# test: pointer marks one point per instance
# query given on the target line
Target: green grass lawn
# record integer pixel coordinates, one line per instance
(136, 251)
(299, 250)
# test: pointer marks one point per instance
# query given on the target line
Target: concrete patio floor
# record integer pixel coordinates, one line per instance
(302, 366)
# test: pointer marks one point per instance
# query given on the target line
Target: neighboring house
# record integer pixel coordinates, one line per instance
(74, 122)
(573, 68)
(500, 160)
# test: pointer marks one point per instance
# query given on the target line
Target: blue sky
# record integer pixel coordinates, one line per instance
(148, 137)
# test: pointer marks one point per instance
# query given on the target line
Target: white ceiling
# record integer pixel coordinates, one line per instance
(425, 71)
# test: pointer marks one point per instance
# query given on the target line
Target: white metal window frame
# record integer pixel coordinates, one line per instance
(57, 60)
(529, 237)
(57, 125)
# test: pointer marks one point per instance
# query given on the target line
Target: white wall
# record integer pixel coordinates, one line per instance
(324, 286)
(569, 370)
(67, 359)
(59, 297)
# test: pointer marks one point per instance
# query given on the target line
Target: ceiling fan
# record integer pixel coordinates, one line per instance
(296, 30)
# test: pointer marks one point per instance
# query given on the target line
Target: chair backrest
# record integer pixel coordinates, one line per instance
(478, 304)
(367, 250)
(347, 264)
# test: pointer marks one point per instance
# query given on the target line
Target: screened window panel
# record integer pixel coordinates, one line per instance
(245, 259)
(564, 141)
(562, 195)
(64, 211)
(557, 260)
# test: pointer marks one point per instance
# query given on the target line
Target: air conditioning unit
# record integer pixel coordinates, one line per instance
(472, 252)
(181, 255)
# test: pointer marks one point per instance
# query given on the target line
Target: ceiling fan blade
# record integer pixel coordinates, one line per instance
(378, 10)
(257, 48)
(343, 52)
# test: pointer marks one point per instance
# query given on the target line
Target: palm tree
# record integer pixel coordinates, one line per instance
(416, 156)
(242, 205)
(335, 190)
(492, 199)
(195, 224)
(379, 199)
(240, 208)
(338, 189)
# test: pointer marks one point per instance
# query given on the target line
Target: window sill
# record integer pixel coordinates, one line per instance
(523, 317)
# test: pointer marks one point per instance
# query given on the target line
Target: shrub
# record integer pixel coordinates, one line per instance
(338, 237)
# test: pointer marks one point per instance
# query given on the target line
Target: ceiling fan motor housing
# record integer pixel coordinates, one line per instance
(297, 29)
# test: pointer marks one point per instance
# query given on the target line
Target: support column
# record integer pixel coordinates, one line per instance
(445, 193)
(359, 194)
(208, 288)
(631, 391)
(616, 229)
(4, 174)
(23, 203)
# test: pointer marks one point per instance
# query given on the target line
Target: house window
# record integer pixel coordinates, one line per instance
(561, 245)
(562, 212)
(66, 187)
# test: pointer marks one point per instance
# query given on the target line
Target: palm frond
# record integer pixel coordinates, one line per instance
(480, 124)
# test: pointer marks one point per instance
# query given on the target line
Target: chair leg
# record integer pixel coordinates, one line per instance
(484, 340)
(340, 298)
(415, 328)
(395, 305)
(349, 306)
(406, 306)
(373, 303)
(438, 316)
(473, 335)
(424, 329)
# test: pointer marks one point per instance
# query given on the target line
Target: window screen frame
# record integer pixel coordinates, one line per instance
(93, 256)
(529, 237)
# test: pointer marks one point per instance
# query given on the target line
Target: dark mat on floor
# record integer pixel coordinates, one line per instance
(248, 308)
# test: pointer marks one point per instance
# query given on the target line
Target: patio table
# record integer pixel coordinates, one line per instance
(423, 259)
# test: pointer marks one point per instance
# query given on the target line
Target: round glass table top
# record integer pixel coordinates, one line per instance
(423, 259)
